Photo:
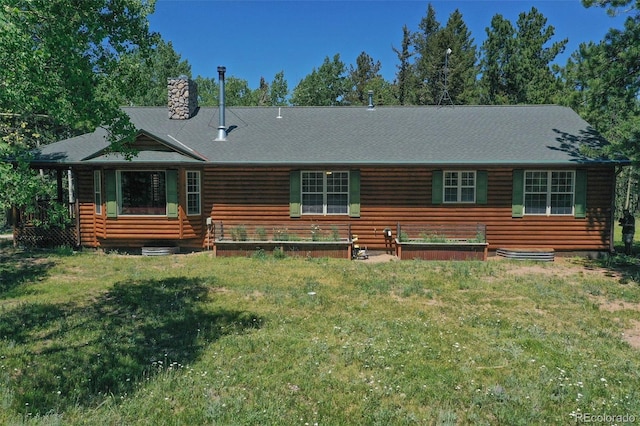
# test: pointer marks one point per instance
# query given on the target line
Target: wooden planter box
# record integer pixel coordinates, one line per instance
(334, 249)
(441, 251)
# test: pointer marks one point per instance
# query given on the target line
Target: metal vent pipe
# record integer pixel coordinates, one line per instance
(222, 128)
(370, 93)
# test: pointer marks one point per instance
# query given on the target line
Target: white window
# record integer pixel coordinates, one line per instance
(142, 192)
(459, 186)
(193, 193)
(97, 191)
(325, 192)
(549, 192)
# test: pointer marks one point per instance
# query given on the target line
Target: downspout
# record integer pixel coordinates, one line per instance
(222, 129)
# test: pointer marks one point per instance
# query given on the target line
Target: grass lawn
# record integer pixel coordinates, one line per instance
(92, 338)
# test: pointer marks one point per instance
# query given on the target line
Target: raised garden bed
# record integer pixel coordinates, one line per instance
(305, 240)
(441, 242)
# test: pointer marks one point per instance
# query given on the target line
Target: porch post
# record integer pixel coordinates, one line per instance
(14, 224)
(59, 184)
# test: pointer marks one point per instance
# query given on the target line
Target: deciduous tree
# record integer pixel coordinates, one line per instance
(55, 59)
(279, 90)
(140, 78)
(326, 86)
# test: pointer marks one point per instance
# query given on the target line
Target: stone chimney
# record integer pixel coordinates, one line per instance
(183, 97)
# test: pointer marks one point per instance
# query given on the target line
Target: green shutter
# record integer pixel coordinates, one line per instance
(481, 187)
(580, 206)
(436, 187)
(517, 200)
(111, 193)
(354, 193)
(295, 194)
(172, 193)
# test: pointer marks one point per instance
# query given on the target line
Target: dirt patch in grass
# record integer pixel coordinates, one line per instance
(632, 335)
(561, 268)
(618, 305)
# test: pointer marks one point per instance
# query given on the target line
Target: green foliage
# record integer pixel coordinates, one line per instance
(140, 77)
(516, 61)
(60, 55)
(279, 90)
(326, 86)
(278, 253)
(61, 58)
(603, 85)
(281, 234)
(239, 233)
(238, 92)
(404, 77)
(261, 234)
(363, 77)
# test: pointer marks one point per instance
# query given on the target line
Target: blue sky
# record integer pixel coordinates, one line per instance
(261, 38)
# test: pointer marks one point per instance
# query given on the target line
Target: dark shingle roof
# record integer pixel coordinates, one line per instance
(461, 135)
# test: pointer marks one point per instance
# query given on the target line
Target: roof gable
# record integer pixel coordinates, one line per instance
(150, 147)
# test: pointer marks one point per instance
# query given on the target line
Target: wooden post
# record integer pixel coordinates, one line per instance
(14, 224)
(59, 182)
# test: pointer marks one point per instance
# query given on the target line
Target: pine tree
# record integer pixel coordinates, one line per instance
(360, 77)
(428, 65)
(516, 66)
(404, 76)
(462, 85)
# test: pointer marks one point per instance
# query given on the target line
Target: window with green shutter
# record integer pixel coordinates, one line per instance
(482, 187)
(459, 186)
(436, 187)
(517, 195)
(354, 193)
(111, 193)
(295, 194)
(549, 193)
(324, 192)
(172, 193)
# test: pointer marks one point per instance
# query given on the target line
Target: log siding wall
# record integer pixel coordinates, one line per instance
(387, 196)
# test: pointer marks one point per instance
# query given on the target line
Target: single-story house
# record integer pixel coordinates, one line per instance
(517, 174)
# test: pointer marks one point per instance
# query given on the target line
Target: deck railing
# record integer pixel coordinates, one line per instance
(43, 228)
(43, 213)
